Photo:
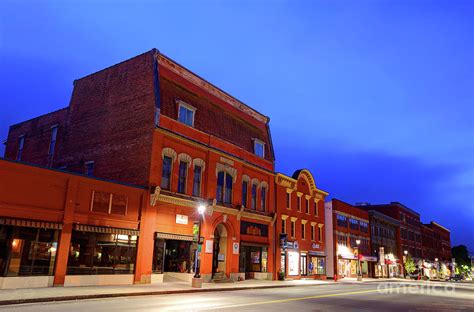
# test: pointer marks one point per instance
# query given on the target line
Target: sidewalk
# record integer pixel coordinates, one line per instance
(34, 295)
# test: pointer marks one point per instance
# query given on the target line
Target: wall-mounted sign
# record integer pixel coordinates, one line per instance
(181, 219)
(293, 263)
(292, 245)
(235, 248)
(254, 229)
(209, 244)
(315, 246)
(221, 257)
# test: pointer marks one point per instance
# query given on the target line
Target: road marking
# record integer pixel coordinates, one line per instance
(303, 298)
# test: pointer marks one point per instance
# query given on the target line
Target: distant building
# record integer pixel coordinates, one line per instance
(345, 225)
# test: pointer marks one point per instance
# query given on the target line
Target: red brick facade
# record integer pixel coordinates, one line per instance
(436, 242)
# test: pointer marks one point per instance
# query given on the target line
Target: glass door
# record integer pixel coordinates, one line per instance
(303, 265)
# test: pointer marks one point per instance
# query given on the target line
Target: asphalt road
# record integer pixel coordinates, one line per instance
(336, 297)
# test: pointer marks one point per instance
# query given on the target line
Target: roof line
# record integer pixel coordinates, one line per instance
(21, 122)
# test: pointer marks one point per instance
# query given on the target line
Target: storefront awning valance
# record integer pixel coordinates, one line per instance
(251, 244)
(31, 223)
(174, 236)
(105, 230)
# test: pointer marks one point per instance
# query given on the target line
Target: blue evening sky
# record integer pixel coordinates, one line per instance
(376, 98)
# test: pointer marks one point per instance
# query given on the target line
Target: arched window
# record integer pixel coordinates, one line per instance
(224, 187)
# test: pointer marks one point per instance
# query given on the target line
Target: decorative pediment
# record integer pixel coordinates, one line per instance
(285, 181)
(199, 162)
(186, 158)
(168, 151)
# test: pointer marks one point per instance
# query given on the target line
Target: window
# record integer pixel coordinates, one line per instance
(21, 145)
(364, 226)
(293, 228)
(341, 220)
(109, 203)
(341, 240)
(288, 200)
(283, 226)
(183, 172)
(89, 170)
(316, 213)
(303, 231)
(263, 198)
(224, 187)
(353, 224)
(52, 142)
(27, 251)
(259, 148)
(245, 186)
(166, 173)
(254, 196)
(186, 114)
(320, 233)
(307, 206)
(101, 253)
(299, 203)
(197, 181)
(313, 232)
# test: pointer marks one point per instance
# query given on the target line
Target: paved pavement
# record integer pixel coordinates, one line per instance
(371, 296)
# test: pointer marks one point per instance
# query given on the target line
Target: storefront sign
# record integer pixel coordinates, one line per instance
(209, 244)
(292, 245)
(293, 260)
(283, 240)
(235, 248)
(315, 246)
(181, 219)
(254, 229)
(368, 258)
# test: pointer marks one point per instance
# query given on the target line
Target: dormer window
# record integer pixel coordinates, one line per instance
(186, 113)
(259, 148)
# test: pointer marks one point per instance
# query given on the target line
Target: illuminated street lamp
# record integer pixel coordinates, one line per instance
(359, 273)
(404, 261)
(201, 210)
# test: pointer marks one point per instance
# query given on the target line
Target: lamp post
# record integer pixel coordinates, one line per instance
(359, 273)
(201, 209)
(437, 268)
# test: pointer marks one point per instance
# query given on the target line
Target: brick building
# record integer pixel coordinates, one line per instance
(300, 226)
(409, 231)
(345, 226)
(151, 123)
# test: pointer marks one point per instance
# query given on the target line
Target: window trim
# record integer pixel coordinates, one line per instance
(188, 107)
(21, 146)
(171, 172)
(187, 165)
(200, 180)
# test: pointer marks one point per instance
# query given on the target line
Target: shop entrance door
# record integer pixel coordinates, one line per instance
(219, 255)
(303, 265)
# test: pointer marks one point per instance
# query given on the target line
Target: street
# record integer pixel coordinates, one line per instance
(392, 296)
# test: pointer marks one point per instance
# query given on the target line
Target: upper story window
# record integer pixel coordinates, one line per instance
(354, 224)
(293, 228)
(109, 203)
(316, 213)
(364, 226)
(341, 220)
(21, 145)
(283, 226)
(299, 203)
(224, 187)
(52, 142)
(263, 198)
(197, 181)
(186, 114)
(182, 177)
(89, 168)
(245, 187)
(313, 232)
(259, 148)
(307, 205)
(288, 200)
(166, 173)
(303, 230)
(254, 196)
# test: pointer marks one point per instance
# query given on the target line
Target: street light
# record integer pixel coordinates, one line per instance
(359, 274)
(404, 261)
(201, 210)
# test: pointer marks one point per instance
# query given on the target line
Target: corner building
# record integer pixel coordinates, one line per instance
(300, 252)
(153, 124)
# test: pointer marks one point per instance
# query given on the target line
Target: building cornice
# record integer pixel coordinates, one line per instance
(285, 181)
(210, 88)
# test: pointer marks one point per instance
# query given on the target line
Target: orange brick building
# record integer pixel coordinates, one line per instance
(156, 126)
(300, 227)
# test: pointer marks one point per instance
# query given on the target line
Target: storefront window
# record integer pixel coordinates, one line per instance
(293, 263)
(173, 256)
(101, 253)
(26, 251)
(317, 265)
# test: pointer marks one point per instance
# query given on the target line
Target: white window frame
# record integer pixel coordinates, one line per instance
(255, 142)
(188, 107)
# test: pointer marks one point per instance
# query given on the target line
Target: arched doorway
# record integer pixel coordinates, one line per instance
(219, 257)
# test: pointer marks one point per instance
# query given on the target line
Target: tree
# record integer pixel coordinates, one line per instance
(409, 265)
(463, 263)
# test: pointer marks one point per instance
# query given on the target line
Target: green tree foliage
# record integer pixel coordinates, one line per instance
(409, 265)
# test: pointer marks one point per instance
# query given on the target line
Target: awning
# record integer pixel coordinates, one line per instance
(368, 258)
(188, 238)
(316, 253)
(105, 230)
(253, 244)
(31, 223)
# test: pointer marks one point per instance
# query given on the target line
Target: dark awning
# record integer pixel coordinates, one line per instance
(188, 238)
(105, 230)
(31, 223)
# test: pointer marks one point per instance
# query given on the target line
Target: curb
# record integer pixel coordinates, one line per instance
(136, 294)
